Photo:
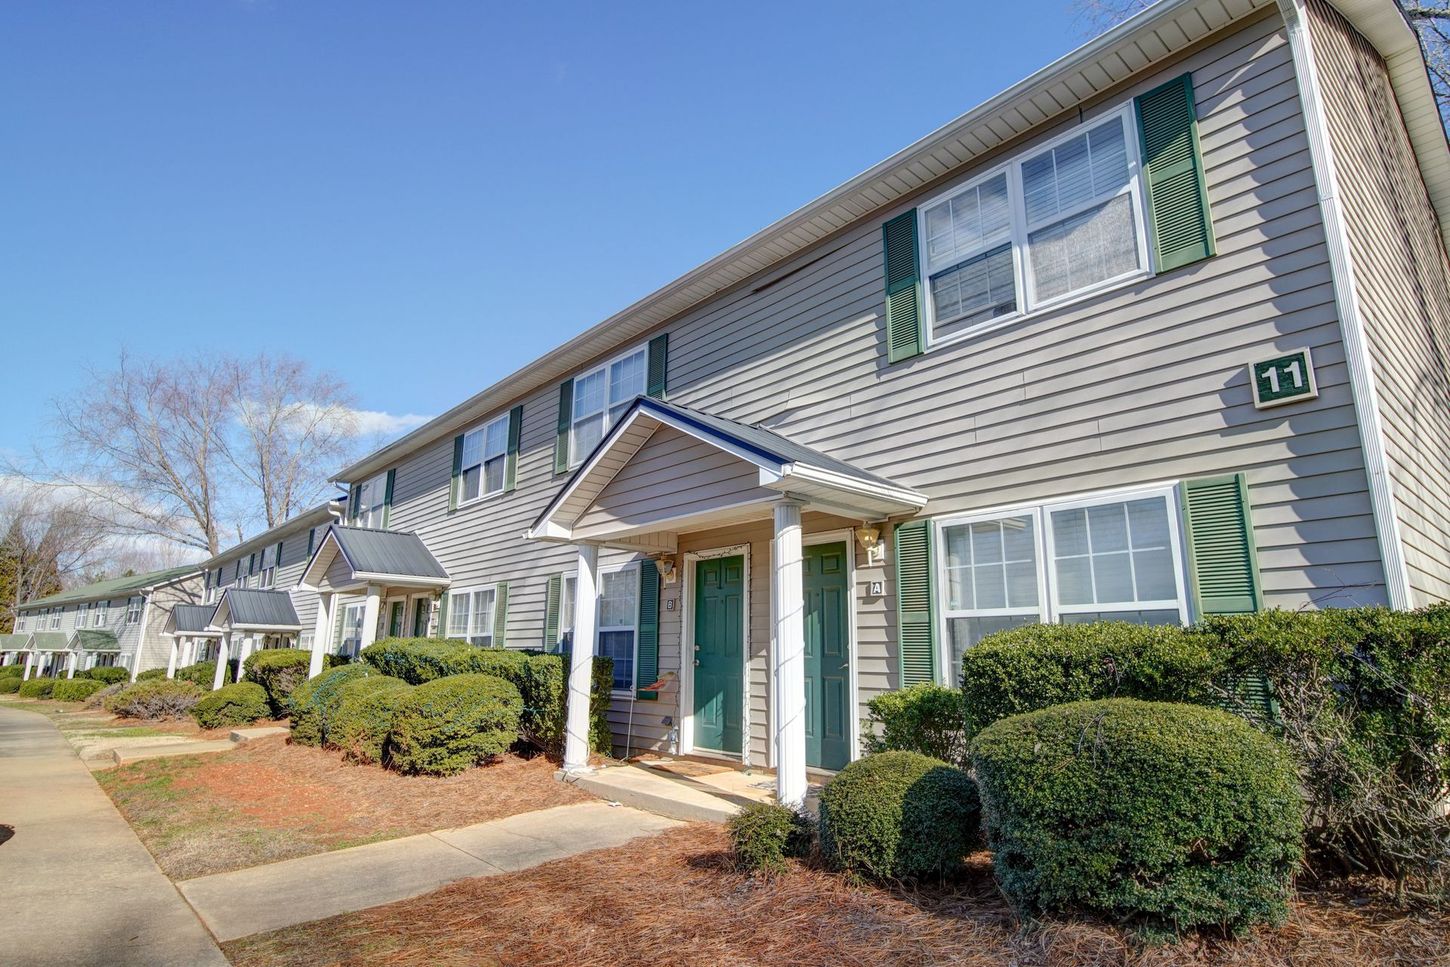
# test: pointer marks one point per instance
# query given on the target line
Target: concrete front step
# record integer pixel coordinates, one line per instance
(261, 732)
(670, 796)
(127, 756)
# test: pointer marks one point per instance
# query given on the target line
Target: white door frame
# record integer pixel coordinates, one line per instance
(848, 536)
(687, 652)
(388, 615)
(412, 610)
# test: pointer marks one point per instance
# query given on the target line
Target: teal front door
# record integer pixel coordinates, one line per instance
(422, 611)
(828, 655)
(719, 653)
(395, 618)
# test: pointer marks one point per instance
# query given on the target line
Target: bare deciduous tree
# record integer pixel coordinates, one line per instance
(48, 539)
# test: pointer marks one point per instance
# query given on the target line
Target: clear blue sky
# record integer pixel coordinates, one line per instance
(424, 196)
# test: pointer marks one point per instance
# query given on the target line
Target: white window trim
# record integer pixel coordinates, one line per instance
(628, 693)
(133, 616)
(471, 590)
(381, 479)
(1027, 304)
(575, 457)
(100, 614)
(347, 604)
(483, 429)
(1048, 609)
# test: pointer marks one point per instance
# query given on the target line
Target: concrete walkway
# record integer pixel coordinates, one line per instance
(76, 885)
(244, 902)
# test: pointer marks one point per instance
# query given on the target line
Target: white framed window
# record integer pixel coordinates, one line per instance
(100, 614)
(1112, 556)
(269, 567)
(371, 496)
(55, 619)
(20, 622)
(304, 641)
(1055, 223)
(82, 615)
(133, 610)
(485, 456)
(353, 616)
(567, 588)
(618, 616)
(470, 615)
(600, 396)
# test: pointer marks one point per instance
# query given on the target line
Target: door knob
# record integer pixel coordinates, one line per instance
(697, 663)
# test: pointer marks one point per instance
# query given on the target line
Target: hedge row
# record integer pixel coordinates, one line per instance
(541, 681)
(109, 674)
(37, 688)
(75, 689)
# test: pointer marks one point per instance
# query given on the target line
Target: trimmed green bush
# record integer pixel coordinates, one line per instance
(154, 699)
(109, 674)
(75, 689)
(1161, 816)
(201, 673)
(335, 661)
(1038, 666)
(540, 679)
(240, 703)
(899, 815)
(924, 718)
(9, 684)
(763, 835)
(452, 723)
(15, 671)
(313, 702)
(151, 675)
(364, 718)
(37, 688)
(278, 671)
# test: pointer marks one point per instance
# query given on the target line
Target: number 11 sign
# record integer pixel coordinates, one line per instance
(1283, 379)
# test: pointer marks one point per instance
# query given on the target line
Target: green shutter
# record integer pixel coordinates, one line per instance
(552, 600)
(659, 351)
(311, 542)
(1221, 553)
(647, 668)
(1177, 195)
(442, 615)
(457, 472)
(1250, 695)
(903, 288)
(566, 414)
(388, 498)
(277, 561)
(516, 429)
(915, 599)
(354, 495)
(500, 613)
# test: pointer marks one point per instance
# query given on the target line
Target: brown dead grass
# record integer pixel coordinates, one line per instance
(674, 900)
(269, 800)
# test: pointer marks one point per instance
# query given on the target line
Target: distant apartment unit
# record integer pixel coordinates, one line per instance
(1159, 332)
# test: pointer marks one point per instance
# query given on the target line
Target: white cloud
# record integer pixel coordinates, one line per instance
(371, 422)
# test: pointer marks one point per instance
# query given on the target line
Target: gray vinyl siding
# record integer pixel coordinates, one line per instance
(1403, 287)
(1142, 384)
(289, 569)
(155, 647)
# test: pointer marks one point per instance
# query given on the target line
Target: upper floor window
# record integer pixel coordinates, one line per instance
(133, 610)
(485, 458)
(99, 616)
(269, 566)
(600, 396)
(81, 615)
(1056, 222)
(471, 614)
(55, 619)
(20, 622)
(371, 498)
(1114, 557)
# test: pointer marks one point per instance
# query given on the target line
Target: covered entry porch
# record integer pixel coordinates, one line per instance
(748, 649)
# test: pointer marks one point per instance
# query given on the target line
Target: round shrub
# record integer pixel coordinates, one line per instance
(364, 718)
(762, 835)
(1161, 816)
(154, 699)
(37, 688)
(241, 703)
(313, 701)
(1039, 666)
(151, 674)
(201, 673)
(278, 671)
(109, 674)
(447, 725)
(10, 684)
(75, 689)
(899, 815)
(925, 718)
(8, 671)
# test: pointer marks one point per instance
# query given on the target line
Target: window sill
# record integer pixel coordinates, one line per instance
(479, 500)
(622, 695)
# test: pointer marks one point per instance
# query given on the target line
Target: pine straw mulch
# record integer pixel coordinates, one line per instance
(675, 900)
(269, 800)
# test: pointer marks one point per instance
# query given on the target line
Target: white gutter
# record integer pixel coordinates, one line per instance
(1346, 301)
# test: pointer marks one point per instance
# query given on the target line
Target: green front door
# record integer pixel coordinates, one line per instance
(828, 656)
(422, 611)
(719, 653)
(395, 618)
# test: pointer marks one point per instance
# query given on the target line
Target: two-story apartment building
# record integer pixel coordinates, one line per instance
(118, 622)
(1158, 332)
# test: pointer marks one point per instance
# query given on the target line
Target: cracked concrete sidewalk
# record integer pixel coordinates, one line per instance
(243, 902)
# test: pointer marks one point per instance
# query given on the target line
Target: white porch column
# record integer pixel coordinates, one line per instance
(322, 633)
(581, 663)
(70, 664)
(136, 662)
(221, 661)
(371, 610)
(29, 664)
(242, 653)
(171, 659)
(790, 657)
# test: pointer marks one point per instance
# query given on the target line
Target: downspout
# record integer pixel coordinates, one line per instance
(1346, 302)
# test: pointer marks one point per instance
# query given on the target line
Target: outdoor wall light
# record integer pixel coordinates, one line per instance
(667, 570)
(870, 537)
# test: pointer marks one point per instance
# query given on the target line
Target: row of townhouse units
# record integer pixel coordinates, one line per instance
(1159, 332)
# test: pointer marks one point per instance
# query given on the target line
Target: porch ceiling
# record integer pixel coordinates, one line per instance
(665, 469)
